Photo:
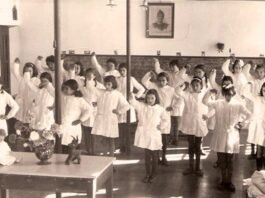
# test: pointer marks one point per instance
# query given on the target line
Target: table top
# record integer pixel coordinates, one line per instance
(91, 166)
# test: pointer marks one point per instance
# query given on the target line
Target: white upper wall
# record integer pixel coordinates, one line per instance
(91, 25)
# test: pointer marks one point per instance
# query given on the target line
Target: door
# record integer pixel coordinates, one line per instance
(4, 57)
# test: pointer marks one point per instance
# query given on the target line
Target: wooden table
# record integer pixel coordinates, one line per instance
(93, 173)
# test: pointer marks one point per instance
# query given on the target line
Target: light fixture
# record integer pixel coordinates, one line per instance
(111, 3)
(144, 4)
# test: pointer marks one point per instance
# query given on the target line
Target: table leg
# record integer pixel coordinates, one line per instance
(4, 193)
(109, 186)
(58, 195)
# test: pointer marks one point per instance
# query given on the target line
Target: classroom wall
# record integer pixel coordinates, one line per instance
(91, 25)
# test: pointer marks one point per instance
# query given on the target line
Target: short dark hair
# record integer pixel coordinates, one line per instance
(74, 86)
(112, 60)
(34, 68)
(163, 75)
(227, 78)
(228, 91)
(174, 62)
(50, 58)
(237, 61)
(197, 79)
(47, 76)
(112, 80)
(122, 65)
(262, 86)
(152, 92)
(260, 66)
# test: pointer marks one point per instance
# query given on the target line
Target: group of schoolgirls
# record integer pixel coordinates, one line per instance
(173, 102)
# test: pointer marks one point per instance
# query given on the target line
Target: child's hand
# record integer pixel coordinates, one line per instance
(115, 111)
(205, 117)
(169, 108)
(2, 117)
(17, 61)
(94, 104)
(76, 122)
(39, 58)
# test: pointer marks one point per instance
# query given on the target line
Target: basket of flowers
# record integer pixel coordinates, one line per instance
(41, 142)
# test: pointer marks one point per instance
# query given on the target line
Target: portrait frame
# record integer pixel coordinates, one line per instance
(160, 20)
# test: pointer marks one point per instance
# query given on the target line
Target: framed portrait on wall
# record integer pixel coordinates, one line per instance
(160, 20)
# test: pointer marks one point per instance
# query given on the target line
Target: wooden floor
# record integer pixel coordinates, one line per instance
(170, 182)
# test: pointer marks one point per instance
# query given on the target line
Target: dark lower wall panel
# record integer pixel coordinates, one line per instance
(142, 64)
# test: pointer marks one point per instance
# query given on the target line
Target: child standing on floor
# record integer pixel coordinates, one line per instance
(26, 90)
(110, 105)
(42, 116)
(256, 128)
(225, 140)
(75, 111)
(124, 133)
(6, 100)
(152, 120)
(109, 70)
(90, 92)
(167, 100)
(177, 76)
(193, 124)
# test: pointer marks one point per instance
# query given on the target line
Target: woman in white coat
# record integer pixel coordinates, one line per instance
(124, 133)
(152, 120)
(6, 100)
(225, 140)
(110, 104)
(75, 111)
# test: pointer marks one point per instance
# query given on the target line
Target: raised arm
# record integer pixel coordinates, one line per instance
(248, 93)
(246, 72)
(157, 66)
(225, 68)
(15, 69)
(31, 84)
(146, 81)
(207, 98)
(95, 63)
(140, 89)
(136, 104)
(212, 80)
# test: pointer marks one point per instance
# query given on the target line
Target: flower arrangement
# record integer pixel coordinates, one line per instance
(42, 142)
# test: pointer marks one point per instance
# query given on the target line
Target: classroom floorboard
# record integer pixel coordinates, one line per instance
(170, 182)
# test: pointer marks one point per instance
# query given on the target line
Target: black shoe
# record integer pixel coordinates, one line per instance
(164, 162)
(230, 187)
(151, 179)
(188, 171)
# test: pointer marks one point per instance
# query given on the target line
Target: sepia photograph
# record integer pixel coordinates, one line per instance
(132, 99)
